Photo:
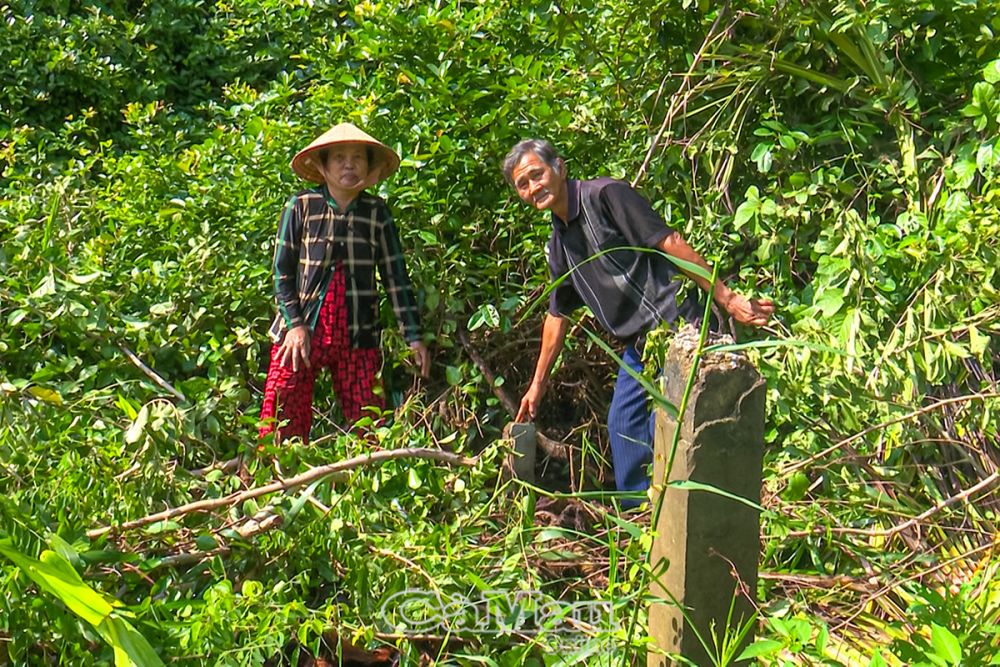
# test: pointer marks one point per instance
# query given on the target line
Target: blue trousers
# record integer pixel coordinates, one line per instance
(630, 427)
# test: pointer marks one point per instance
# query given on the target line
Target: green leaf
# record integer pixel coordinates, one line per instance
(138, 426)
(762, 155)
(88, 278)
(206, 542)
(992, 72)
(487, 315)
(983, 95)
(797, 486)
(549, 534)
(822, 637)
(985, 158)
(54, 575)
(633, 530)
(163, 308)
(302, 499)
(965, 172)
(161, 527)
(48, 395)
(877, 660)
(64, 549)
(744, 213)
(946, 644)
(760, 648)
(16, 316)
(830, 302)
(130, 647)
(413, 479)
(255, 126)
(977, 341)
(453, 375)
(689, 485)
(46, 287)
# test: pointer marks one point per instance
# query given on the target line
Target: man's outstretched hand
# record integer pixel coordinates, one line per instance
(752, 312)
(529, 404)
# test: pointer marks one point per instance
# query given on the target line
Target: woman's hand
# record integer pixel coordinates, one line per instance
(294, 349)
(422, 358)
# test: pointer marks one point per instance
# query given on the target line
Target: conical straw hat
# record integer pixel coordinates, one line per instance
(384, 160)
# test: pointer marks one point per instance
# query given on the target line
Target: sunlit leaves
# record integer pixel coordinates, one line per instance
(55, 575)
(147, 221)
(947, 648)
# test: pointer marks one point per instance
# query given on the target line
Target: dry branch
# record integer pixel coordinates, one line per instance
(311, 475)
(909, 523)
(684, 92)
(910, 415)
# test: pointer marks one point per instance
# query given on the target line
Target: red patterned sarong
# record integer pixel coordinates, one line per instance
(288, 395)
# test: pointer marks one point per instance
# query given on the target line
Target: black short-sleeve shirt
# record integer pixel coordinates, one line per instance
(629, 291)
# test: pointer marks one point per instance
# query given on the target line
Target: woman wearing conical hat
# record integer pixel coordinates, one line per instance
(331, 239)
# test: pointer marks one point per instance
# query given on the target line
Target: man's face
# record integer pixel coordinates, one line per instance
(347, 166)
(536, 182)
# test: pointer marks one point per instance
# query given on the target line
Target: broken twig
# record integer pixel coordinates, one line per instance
(151, 374)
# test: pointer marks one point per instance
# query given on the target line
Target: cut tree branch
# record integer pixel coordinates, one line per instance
(227, 466)
(311, 475)
(262, 521)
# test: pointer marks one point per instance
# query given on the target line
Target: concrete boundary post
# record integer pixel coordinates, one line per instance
(707, 545)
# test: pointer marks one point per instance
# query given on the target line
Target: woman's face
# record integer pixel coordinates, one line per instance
(347, 166)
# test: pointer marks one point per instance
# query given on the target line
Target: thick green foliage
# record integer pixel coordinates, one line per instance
(838, 157)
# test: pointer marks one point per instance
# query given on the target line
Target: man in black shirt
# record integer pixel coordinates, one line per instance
(629, 292)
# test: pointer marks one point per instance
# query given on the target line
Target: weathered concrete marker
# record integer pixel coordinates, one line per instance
(703, 537)
(521, 461)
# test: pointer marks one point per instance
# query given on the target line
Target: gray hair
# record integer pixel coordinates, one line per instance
(543, 149)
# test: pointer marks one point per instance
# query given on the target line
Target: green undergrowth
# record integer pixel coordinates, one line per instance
(837, 157)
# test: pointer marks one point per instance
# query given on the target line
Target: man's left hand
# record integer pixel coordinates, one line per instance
(753, 312)
(422, 358)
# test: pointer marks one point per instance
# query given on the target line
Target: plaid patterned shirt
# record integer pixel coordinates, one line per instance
(313, 235)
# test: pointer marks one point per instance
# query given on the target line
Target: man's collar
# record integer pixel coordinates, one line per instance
(572, 203)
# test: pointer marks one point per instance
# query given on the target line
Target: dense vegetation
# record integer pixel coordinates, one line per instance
(839, 157)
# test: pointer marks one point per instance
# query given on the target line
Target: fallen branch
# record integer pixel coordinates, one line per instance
(261, 522)
(683, 91)
(311, 475)
(863, 605)
(555, 449)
